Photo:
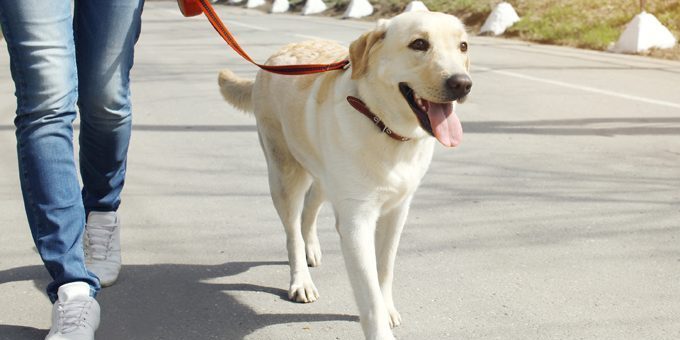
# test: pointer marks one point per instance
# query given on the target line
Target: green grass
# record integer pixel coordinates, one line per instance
(580, 23)
(571, 24)
(593, 24)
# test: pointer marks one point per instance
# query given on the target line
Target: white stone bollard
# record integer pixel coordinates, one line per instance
(280, 6)
(502, 17)
(314, 7)
(358, 9)
(254, 3)
(642, 33)
(416, 6)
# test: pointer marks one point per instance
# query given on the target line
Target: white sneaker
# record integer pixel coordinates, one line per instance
(101, 243)
(75, 315)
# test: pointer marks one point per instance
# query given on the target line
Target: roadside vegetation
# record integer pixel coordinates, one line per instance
(592, 24)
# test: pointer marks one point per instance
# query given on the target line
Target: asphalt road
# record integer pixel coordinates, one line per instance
(557, 218)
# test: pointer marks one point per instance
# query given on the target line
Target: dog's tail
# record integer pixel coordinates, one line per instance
(236, 90)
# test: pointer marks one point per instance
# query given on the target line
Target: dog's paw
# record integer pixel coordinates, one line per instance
(313, 250)
(395, 317)
(303, 291)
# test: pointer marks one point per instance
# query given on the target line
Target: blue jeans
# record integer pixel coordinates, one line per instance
(61, 59)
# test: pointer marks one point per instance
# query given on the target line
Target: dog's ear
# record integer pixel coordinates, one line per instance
(360, 49)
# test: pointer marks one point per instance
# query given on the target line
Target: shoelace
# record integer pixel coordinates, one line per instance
(99, 241)
(72, 315)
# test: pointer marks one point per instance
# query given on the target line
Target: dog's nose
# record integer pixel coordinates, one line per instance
(459, 84)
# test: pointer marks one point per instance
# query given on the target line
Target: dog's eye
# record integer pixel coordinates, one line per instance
(419, 45)
(463, 46)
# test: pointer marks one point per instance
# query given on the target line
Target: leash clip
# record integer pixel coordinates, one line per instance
(346, 67)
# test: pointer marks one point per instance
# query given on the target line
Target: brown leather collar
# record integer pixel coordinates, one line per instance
(361, 107)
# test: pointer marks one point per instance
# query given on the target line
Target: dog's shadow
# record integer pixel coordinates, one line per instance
(172, 301)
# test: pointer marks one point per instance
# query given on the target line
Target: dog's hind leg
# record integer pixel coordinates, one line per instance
(388, 233)
(288, 183)
(313, 201)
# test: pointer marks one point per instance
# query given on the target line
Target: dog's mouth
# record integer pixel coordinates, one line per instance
(438, 119)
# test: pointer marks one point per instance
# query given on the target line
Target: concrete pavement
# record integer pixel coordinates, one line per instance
(557, 218)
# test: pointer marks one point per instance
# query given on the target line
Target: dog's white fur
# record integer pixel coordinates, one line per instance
(318, 148)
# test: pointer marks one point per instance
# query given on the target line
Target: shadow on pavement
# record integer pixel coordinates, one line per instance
(173, 128)
(653, 126)
(173, 301)
(11, 332)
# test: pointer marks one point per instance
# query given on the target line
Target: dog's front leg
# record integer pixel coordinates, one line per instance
(356, 225)
(388, 234)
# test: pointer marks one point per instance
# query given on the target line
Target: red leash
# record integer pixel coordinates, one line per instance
(192, 8)
(195, 7)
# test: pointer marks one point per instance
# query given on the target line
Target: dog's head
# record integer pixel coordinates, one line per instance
(418, 66)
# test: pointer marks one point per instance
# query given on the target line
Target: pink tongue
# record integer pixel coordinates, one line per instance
(445, 124)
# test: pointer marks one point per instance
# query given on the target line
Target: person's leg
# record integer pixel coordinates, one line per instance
(42, 57)
(105, 34)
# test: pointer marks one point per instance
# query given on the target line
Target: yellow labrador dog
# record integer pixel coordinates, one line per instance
(406, 76)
